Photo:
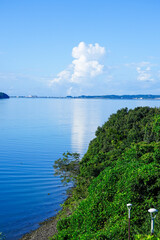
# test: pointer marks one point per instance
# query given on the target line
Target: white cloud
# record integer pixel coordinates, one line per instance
(65, 74)
(69, 91)
(86, 64)
(144, 72)
(89, 51)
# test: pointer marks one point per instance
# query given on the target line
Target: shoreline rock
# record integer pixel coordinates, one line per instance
(47, 229)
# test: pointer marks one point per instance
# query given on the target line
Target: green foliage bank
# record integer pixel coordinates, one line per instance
(122, 165)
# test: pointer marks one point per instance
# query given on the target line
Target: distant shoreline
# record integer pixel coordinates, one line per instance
(110, 97)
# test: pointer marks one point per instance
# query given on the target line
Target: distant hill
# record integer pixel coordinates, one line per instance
(3, 95)
(139, 96)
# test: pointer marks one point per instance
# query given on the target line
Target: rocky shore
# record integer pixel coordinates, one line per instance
(47, 229)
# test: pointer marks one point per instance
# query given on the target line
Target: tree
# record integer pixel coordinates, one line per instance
(67, 167)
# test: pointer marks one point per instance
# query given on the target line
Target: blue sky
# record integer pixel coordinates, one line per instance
(68, 47)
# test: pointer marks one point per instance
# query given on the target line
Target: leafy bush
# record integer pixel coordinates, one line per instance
(146, 237)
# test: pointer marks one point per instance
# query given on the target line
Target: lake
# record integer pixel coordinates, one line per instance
(35, 133)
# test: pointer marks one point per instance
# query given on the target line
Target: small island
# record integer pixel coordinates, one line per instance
(3, 95)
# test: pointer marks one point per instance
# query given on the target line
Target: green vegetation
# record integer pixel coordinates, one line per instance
(122, 165)
(67, 167)
(146, 237)
(2, 237)
(3, 95)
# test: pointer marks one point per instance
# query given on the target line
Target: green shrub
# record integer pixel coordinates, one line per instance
(146, 237)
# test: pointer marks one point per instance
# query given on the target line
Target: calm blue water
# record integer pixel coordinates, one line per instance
(34, 133)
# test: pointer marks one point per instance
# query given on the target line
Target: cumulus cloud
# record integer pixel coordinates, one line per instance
(85, 65)
(90, 51)
(144, 72)
(65, 74)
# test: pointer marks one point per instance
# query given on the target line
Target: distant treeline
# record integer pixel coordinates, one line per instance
(147, 96)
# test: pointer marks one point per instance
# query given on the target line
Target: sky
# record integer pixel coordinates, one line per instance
(87, 47)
